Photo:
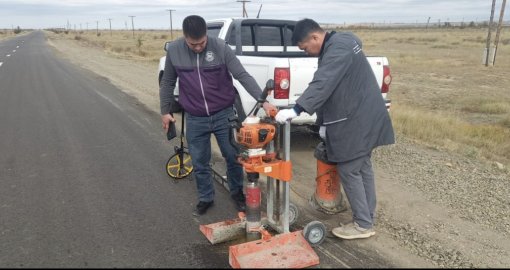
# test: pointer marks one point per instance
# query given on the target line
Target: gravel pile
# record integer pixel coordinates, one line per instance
(478, 192)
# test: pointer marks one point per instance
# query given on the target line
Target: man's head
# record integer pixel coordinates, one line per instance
(195, 33)
(308, 36)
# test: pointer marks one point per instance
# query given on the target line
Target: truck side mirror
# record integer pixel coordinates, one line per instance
(166, 45)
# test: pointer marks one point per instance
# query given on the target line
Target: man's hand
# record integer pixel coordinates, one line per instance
(284, 115)
(270, 109)
(165, 120)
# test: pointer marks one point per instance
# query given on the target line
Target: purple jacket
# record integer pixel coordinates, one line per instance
(205, 79)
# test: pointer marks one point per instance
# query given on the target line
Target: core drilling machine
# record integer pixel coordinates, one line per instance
(259, 141)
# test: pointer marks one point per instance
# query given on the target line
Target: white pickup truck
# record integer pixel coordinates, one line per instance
(264, 48)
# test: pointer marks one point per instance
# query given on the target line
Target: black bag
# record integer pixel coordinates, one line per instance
(172, 133)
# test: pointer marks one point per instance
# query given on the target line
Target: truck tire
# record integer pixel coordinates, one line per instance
(238, 106)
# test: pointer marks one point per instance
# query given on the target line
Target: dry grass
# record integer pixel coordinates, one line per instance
(442, 94)
(8, 33)
(143, 46)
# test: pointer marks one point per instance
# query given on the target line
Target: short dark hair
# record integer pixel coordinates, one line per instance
(194, 27)
(303, 28)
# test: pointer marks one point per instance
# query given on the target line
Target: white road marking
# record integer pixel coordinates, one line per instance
(1, 63)
(8, 55)
(13, 50)
(17, 47)
(109, 100)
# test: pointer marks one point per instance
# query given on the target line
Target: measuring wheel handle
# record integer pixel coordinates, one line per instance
(315, 233)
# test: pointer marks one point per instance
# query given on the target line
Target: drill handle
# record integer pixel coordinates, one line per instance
(263, 96)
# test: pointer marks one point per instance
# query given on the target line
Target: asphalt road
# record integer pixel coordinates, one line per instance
(82, 180)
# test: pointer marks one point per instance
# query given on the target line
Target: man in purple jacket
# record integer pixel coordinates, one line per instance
(205, 66)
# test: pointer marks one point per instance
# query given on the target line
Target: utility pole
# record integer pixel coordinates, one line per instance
(110, 26)
(427, 27)
(133, 25)
(245, 14)
(171, 28)
(500, 25)
(87, 26)
(488, 44)
(97, 28)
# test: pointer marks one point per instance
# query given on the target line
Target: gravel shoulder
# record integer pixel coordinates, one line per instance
(435, 208)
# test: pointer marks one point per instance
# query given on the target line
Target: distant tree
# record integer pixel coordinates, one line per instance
(472, 24)
(17, 30)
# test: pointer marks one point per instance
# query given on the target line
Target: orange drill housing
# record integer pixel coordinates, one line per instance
(255, 135)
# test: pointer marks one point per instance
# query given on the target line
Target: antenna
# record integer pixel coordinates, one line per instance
(258, 14)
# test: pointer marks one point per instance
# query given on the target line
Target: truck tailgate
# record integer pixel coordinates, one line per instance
(301, 74)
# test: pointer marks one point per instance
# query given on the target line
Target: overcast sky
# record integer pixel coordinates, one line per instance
(153, 14)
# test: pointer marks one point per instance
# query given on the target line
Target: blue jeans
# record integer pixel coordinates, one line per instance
(198, 136)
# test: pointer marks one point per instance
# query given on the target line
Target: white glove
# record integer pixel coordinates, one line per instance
(322, 132)
(283, 115)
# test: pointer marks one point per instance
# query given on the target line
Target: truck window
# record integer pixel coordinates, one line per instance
(264, 39)
(263, 35)
(268, 36)
(213, 30)
(246, 36)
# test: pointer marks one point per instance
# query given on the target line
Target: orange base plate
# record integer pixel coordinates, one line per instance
(288, 250)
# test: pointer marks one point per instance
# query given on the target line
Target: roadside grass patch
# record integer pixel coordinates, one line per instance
(444, 130)
(487, 107)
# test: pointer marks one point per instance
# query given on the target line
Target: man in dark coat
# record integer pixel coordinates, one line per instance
(351, 112)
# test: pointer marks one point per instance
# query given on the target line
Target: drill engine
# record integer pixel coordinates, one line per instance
(253, 136)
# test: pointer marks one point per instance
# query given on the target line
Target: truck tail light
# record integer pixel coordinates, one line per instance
(281, 83)
(386, 80)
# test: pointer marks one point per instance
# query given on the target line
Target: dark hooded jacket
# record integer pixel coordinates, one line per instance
(347, 99)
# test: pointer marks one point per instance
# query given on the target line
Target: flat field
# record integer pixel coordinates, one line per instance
(442, 94)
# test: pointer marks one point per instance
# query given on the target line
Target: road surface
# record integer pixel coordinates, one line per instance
(82, 180)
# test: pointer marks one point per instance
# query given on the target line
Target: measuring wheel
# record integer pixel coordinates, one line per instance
(179, 165)
(315, 233)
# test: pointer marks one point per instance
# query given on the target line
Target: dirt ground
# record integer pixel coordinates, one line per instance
(435, 209)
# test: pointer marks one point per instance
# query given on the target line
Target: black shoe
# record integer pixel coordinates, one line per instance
(240, 201)
(202, 208)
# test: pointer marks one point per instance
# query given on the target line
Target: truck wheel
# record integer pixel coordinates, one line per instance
(238, 105)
